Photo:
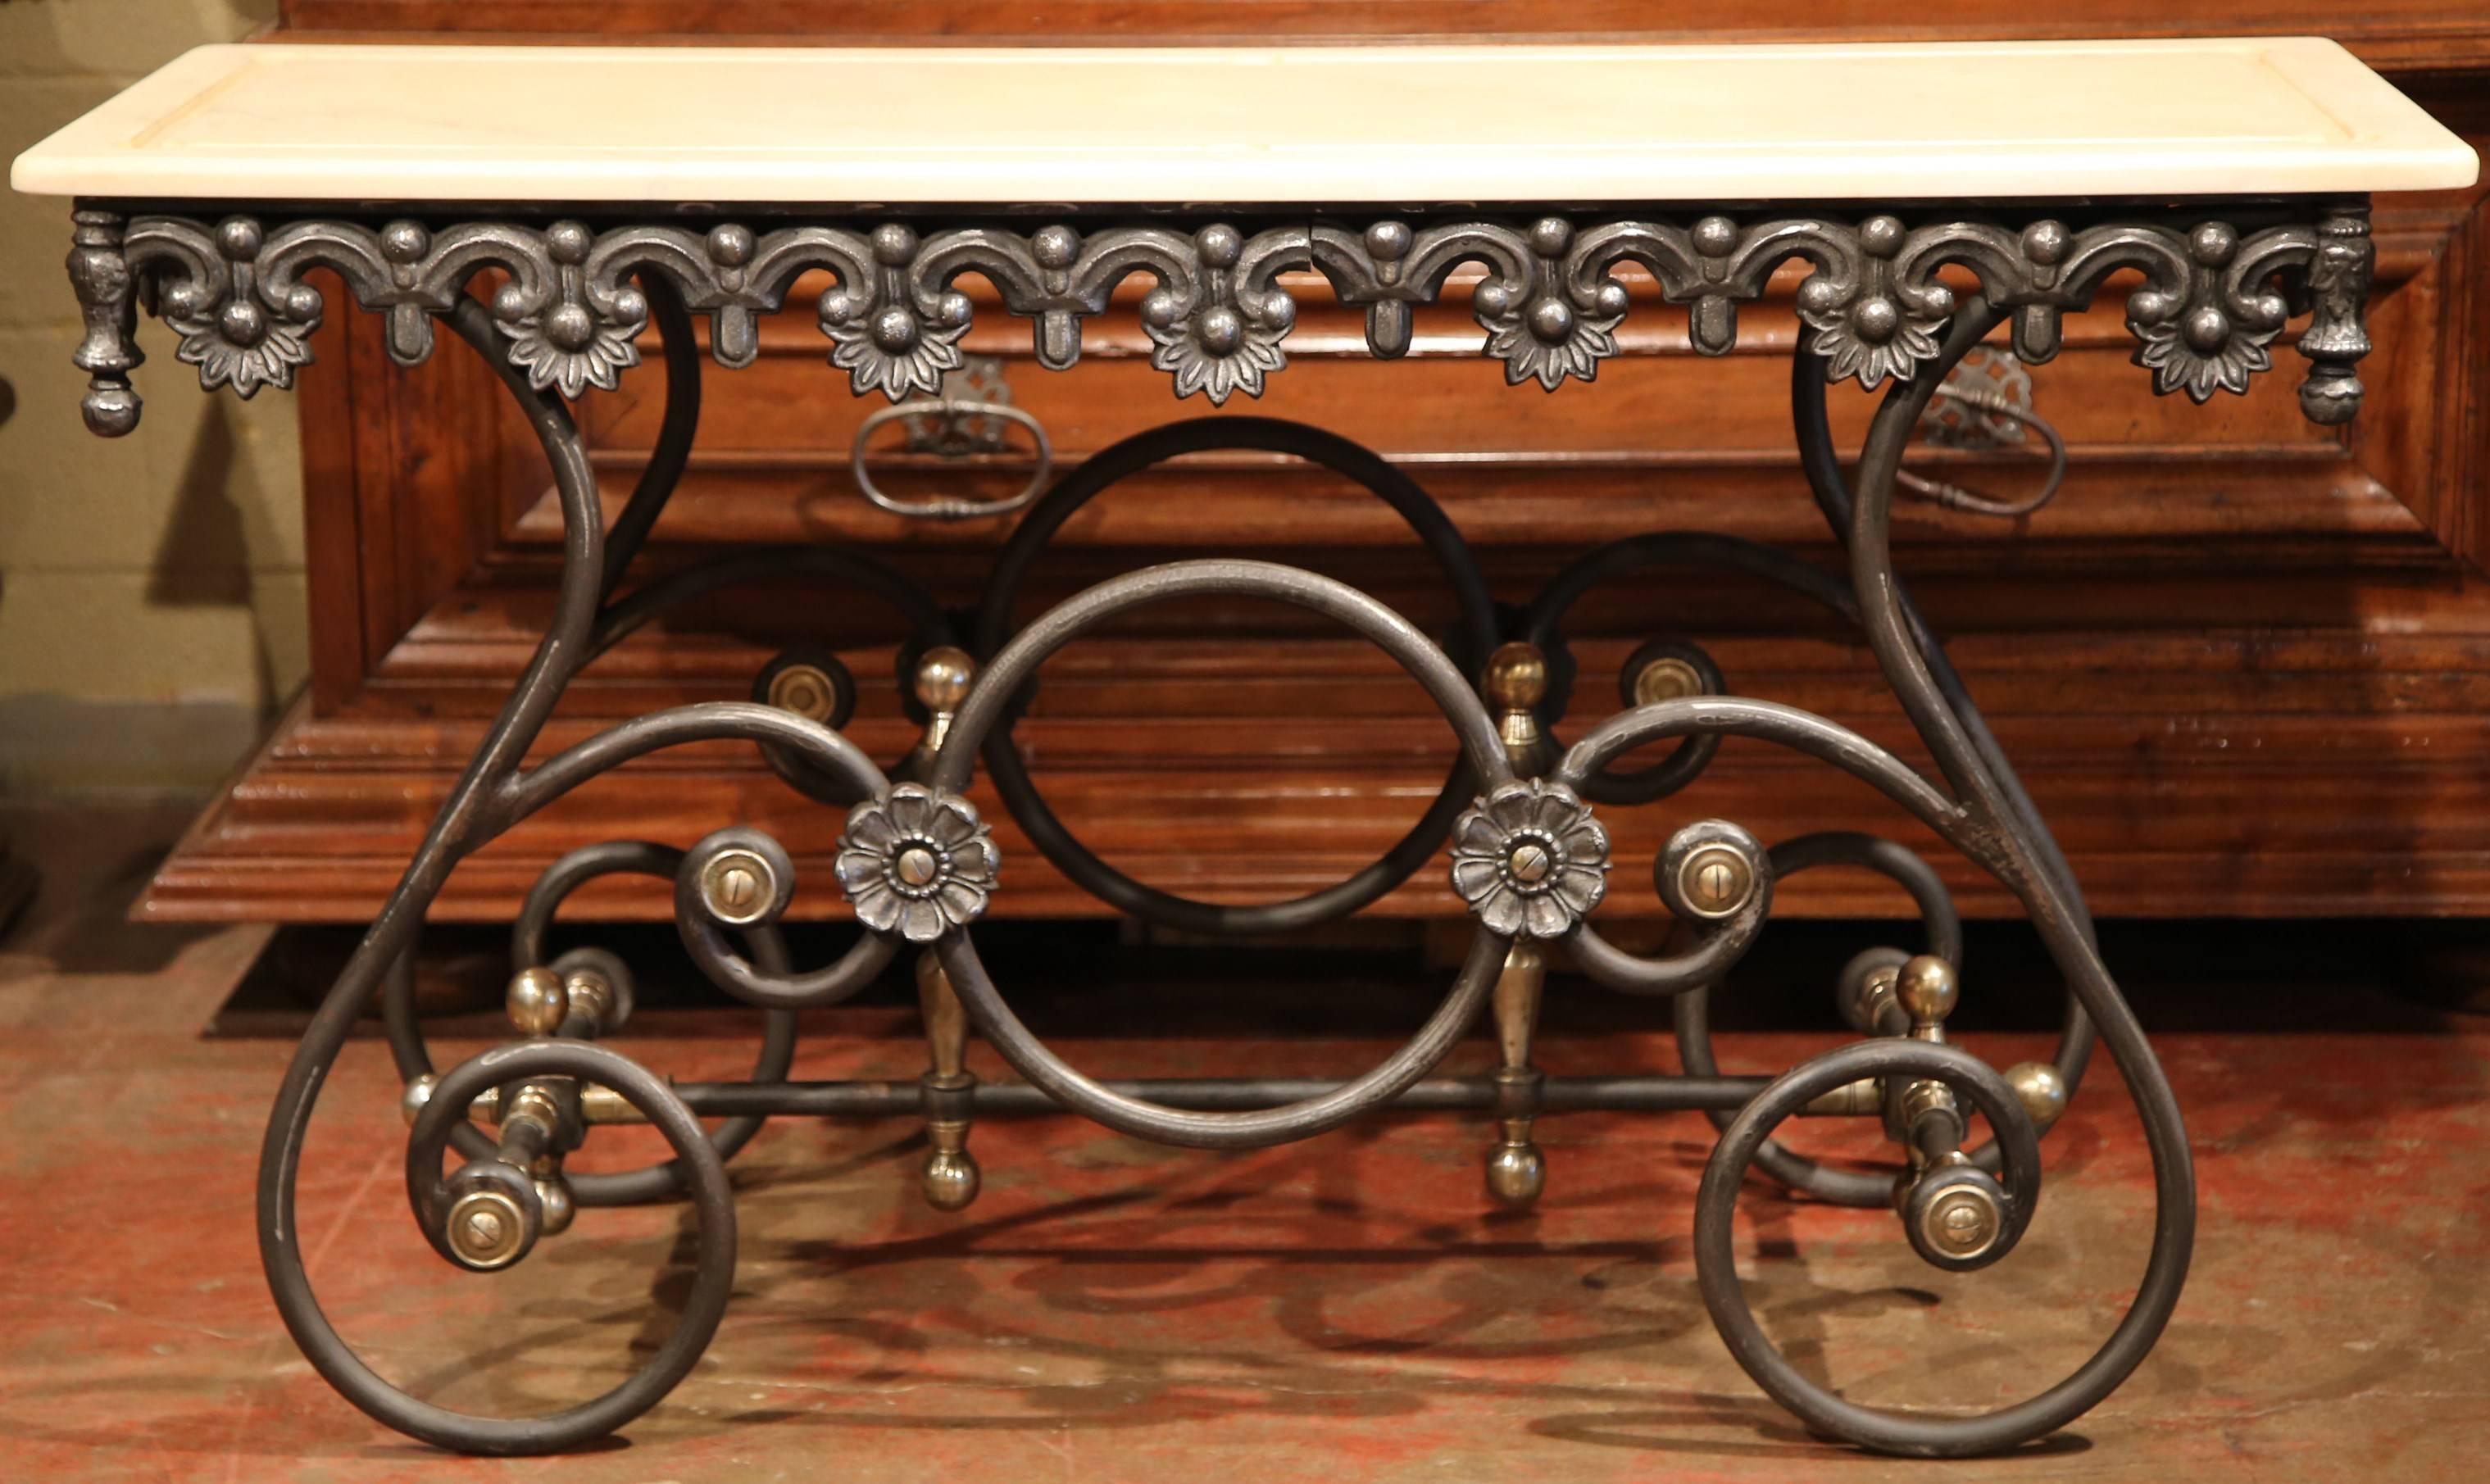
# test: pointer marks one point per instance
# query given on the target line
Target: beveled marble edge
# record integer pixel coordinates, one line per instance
(1345, 127)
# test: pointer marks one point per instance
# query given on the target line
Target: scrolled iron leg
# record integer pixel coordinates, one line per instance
(475, 811)
(1992, 821)
(511, 1192)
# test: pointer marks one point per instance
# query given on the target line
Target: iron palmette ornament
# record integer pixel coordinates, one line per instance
(580, 335)
(892, 334)
(1542, 329)
(2216, 294)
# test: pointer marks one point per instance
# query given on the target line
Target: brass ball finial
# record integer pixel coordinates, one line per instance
(1517, 676)
(537, 1000)
(1928, 989)
(942, 676)
(949, 1179)
(1517, 1172)
(2041, 1091)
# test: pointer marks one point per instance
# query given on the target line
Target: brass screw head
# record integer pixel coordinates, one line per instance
(1531, 862)
(805, 690)
(1928, 989)
(1963, 1223)
(1715, 880)
(918, 866)
(537, 1001)
(942, 676)
(486, 1229)
(1517, 676)
(1665, 679)
(2040, 1090)
(737, 888)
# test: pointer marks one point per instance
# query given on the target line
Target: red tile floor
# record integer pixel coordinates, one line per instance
(1340, 1311)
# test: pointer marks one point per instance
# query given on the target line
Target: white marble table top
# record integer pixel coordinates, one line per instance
(1336, 126)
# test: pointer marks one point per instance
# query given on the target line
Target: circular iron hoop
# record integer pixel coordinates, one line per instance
(1396, 636)
(1113, 464)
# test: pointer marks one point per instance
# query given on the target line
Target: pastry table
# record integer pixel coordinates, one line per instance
(1931, 194)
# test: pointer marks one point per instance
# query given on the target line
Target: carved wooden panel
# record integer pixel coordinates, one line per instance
(2235, 660)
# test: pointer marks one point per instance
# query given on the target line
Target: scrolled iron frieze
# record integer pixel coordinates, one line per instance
(2213, 299)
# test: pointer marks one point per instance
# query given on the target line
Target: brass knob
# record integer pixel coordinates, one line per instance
(1517, 676)
(1515, 683)
(1954, 1216)
(1962, 1221)
(537, 1000)
(1717, 880)
(2041, 1091)
(1928, 989)
(943, 674)
(1710, 870)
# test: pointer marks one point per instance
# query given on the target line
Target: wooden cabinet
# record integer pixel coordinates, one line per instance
(2243, 660)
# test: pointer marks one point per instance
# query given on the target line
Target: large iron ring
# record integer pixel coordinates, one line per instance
(994, 693)
(1474, 636)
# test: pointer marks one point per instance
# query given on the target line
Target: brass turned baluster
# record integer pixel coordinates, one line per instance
(1517, 679)
(1516, 1170)
(950, 1176)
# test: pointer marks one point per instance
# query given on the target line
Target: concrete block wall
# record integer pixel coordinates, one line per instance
(152, 611)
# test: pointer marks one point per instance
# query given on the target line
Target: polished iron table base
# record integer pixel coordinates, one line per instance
(1528, 852)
